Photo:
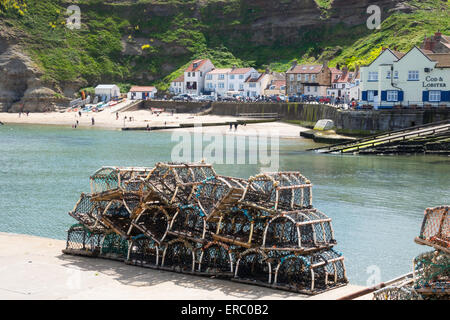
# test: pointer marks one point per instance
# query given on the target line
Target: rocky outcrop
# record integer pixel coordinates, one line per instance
(20, 86)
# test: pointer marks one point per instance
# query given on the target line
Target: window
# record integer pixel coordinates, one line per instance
(435, 96)
(395, 74)
(315, 89)
(221, 85)
(389, 75)
(306, 77)
(252, 85)
(193, 74)
(232, 76)
(299, 77)
(307, 89)
(392, 96)
(201, 74)
(209, 77)
(272, 88)
(189, 74)
(283, 88)
(241, 86)
(370, 95)
(231, 86)
(313, 77)
(221, 76)
(413, 75)
(241, 76)
(292, 77)
(373, 76)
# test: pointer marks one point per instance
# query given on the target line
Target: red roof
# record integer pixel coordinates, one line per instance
(251, 79)
(196, 65)
(278, 84)
(142, 89)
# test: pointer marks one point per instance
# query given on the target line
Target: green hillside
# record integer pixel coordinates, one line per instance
(161, 45)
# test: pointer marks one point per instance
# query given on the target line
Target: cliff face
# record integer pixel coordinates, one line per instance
(110, 45)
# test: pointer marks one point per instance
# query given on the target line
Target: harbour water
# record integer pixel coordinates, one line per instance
(376, 203)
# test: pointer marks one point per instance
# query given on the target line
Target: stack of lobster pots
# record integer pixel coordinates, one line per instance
(186, 218)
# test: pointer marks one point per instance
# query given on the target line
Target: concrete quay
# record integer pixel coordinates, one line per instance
(34, 268)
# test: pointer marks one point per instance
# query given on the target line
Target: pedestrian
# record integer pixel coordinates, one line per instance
(231, 126)
(148, 127)
(28, 113)
(117, 116)
(235, 126)
(79, 113)
(93, 121)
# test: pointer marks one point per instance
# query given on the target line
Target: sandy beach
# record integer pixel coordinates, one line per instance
(107, 119)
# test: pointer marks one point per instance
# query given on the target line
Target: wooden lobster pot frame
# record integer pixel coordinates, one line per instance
(87, 213)
(302, 231)
(114, 247)
(241, 227)
(279, 191)
(117, 217)
(435, 231)
(310, 274)
(189, 222)
(431, 273)
(254, 266)
(176, 182)
(144, 252)
(81, 241)
(109, 178)
(179, 255)
(154, 222)
(216, 258)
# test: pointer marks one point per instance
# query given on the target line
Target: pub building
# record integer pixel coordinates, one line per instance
(417, 78)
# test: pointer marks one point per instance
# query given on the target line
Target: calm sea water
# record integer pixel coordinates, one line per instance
(376, 203)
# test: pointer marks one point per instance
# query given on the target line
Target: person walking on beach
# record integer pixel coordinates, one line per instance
(231, 126)
(117, 116)
(79, 113)
(93, 121)
(235, 126)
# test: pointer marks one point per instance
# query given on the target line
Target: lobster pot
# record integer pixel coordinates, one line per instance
(110, 178)
(235, 227)
(86, 212)
(396, 293)
(154, 222)
(176, 182)
(114, 247)
(179, 255)
(254, 266)
(432, 271)
(436, 228)
(300, 230)
(117, 217)
(144, 252)
(82, 242)
(216, 259)
(310, 274)
(189, 221)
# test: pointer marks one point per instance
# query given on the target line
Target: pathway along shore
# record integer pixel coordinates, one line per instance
(34, 268)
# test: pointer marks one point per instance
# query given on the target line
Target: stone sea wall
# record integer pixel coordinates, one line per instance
(347, 122)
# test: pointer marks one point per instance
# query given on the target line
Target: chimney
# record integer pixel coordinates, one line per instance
(294, 63)
(325, 64)
(234, 67)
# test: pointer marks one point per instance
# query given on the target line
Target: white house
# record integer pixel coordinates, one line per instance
(344, 84)
(227, 81)
(256, 84)
(142, 93)
(216, 81)
(177, 85)
(194, 76)
(106, 92)
(412, 79)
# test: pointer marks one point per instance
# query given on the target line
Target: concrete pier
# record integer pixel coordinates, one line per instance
(34, 268)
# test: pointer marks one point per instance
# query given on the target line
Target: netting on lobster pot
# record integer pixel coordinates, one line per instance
(81, 239)
(396, 293)
(432, 270)
(114, 246)
(215, 258)
(86, 212)
(436, 227)
(144, 252)
(188, 221)
(154, 222)
(299, 229)
(254, 265)
(329, 268)
(179, 255)
(117, 217)
(233, 227)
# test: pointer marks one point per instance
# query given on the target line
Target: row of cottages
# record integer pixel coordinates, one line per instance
(312, 80)
(415, 78)
(202, 77)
